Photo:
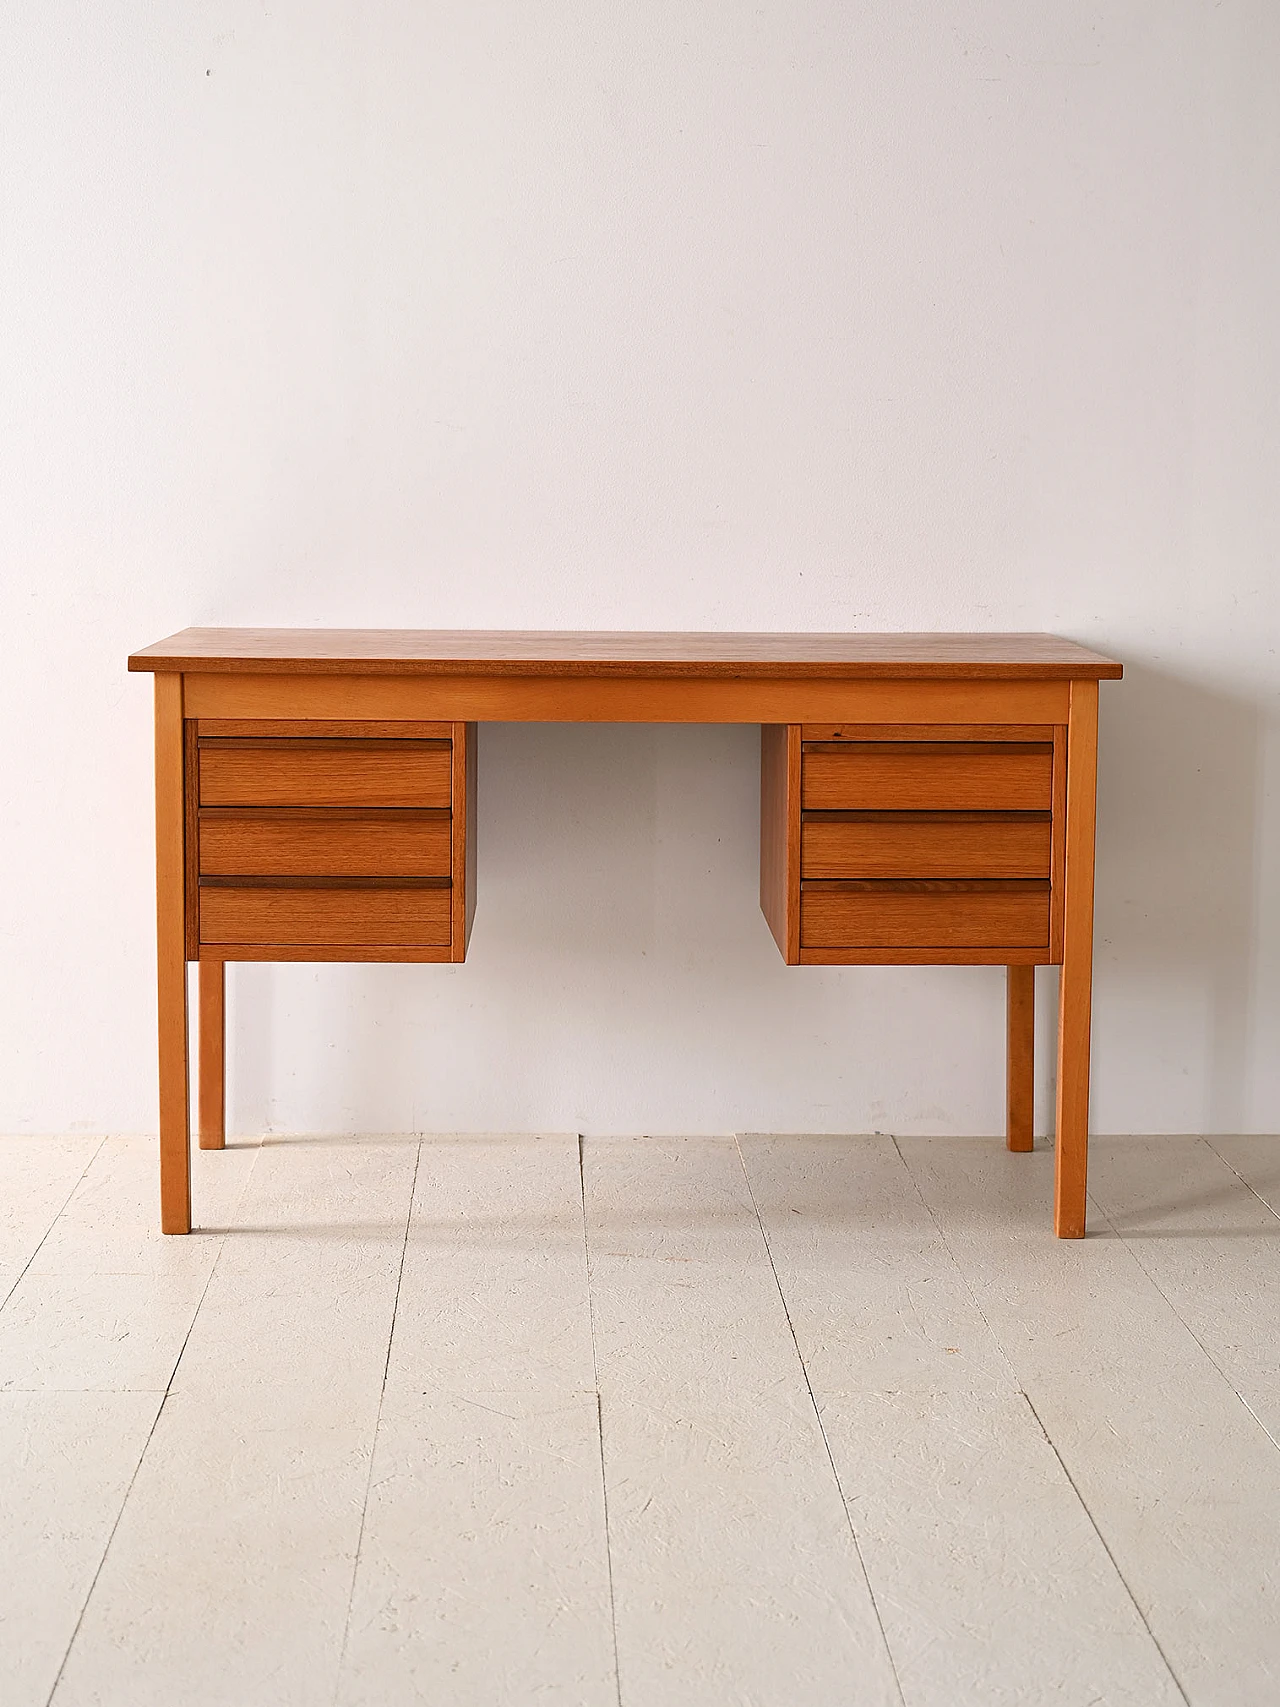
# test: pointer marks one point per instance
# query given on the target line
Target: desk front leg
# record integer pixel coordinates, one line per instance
(1076, 976)
(171, 959)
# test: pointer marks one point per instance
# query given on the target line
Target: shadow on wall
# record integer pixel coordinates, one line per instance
(620, 963)
(1178, 826)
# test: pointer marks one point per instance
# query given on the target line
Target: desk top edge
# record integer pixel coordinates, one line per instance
(707, 656)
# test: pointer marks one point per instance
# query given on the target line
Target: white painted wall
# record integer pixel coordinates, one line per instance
(822, 316)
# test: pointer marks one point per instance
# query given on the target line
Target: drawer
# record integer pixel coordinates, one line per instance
(924, 844)
(304, 842)
(925, 915)
(291, 772)
(939, 776)
(373, 914)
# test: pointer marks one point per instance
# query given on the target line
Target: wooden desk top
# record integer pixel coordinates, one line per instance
(474, 652)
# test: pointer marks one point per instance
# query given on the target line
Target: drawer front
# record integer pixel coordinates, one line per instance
(924, 844)
(941, 776)
(300, 842)
(878, 916)
(329, 916)
(236, 772)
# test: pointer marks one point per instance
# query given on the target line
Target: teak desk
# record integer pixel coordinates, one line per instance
(924, 799)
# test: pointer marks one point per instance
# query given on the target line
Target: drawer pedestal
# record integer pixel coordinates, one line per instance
(311, 845)
(914, 849)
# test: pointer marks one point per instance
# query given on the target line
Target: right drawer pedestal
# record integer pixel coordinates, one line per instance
(913, 848)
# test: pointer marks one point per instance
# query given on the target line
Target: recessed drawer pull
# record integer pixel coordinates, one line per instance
(321, 881)
(930, 886)
(317, 744)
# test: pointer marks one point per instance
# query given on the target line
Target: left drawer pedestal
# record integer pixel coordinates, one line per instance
(312, 845)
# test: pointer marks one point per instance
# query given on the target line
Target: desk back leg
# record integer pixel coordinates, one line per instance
(213, 1096)
(1075, 982)
(1020, 999)
(171, 958)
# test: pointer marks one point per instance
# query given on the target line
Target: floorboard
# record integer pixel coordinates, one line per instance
(229, 1575)
(1211, 1246)
(88, 1342)
(68, 1459)
(37, 1175)
(1182, 1484)
(972, 1534)
(735, 1574)
(483, 1573)
(105, 1304)
(1256, 1161)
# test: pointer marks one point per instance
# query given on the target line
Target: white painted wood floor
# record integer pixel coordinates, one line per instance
(786, 1421)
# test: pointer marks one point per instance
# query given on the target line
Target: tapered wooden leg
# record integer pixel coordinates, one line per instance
(213, 1099)
(171, 960)
(1075, 982)
(1020, 1056)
